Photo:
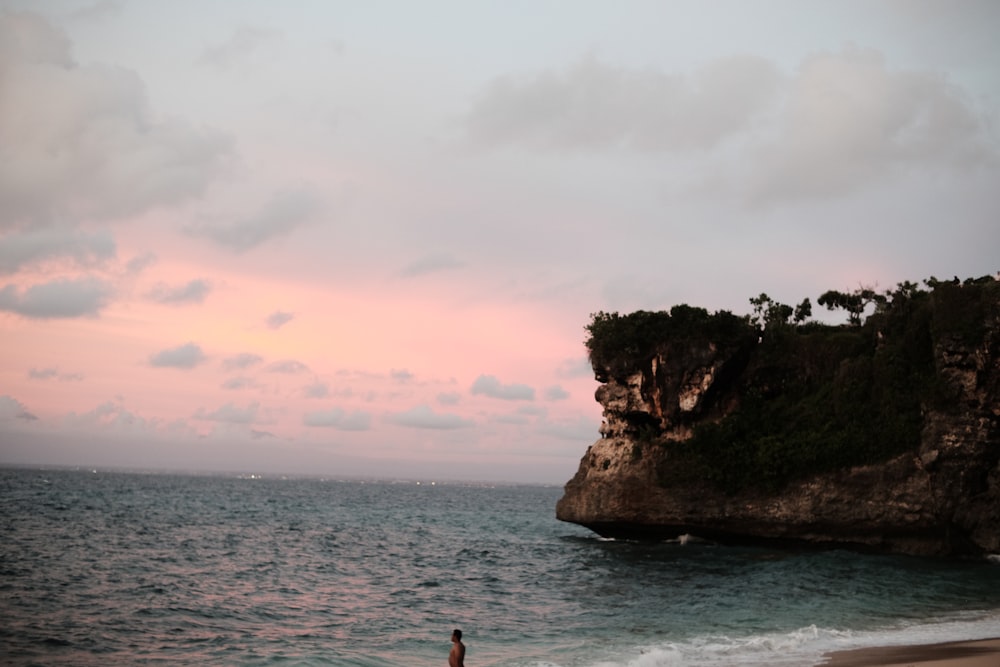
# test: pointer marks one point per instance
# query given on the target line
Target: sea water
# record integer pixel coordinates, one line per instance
(102, 567)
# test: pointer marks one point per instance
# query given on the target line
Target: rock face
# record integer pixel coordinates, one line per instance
(940, 496)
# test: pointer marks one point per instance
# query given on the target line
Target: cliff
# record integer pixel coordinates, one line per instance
(880, 435)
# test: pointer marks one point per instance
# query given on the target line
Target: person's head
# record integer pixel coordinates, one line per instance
(456, 636)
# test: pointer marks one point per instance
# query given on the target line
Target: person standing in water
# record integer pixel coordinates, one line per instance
(457, 656)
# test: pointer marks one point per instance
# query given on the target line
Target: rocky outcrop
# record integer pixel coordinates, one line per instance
(939, 496)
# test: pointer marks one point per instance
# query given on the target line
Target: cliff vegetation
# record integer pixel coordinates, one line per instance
(796, 397)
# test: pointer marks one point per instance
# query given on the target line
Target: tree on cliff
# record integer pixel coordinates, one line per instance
(768, 312)
(853, 302)
(616, 343)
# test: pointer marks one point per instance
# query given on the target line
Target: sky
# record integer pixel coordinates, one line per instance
(363, 238)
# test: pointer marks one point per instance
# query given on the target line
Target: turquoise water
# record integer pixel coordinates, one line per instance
(123, 568)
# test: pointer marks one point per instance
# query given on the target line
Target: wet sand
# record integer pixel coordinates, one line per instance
(984, 653)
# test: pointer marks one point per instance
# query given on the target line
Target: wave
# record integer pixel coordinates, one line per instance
(804, 647)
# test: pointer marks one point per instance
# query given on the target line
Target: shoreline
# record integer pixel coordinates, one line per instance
(973, 653)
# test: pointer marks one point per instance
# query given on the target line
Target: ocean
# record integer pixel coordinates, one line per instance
(113, 568)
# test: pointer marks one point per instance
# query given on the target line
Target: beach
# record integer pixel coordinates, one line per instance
(983, 653)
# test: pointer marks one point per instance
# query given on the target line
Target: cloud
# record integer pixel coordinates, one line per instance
(238, 383)
(835, 125)
(185, 356)
(140, 263)
(108, 414)
(194, 291)
(240, 46)
(430, 264)
(849, 120)
(597, 106)
(64, 298)
(580, 429)
(53, 374)
(11, 408)
(423, 416)
(533, 410)
(488, 385)
(338, 419)
(230, 414)
(525, 414)
(515, 419)
(316, 390)
(287, 366)
(27, 38)
(277, 218)
(98, 10)
(241, 361)
(278, 319)
(401, 375)
(20, 249)
(575, 368)
(114, 157)
(556, 393)
(449, 398)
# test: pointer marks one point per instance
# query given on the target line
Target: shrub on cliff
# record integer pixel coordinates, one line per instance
(813, 397)
(618, 344)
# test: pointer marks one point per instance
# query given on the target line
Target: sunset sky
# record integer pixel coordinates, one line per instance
(364, 237)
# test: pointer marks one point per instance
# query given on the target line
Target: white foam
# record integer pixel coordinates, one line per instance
(804, 647)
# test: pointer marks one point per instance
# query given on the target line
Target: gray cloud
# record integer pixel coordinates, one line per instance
(423, 416)
(316, 390)
(449, 398)
(401, 375)
(430, 264)
(102, 112)
(287, 366)
(194, 291)
(33, 246)
(278, 319)
(515, 419)
(338, 419)
(27, 38)
(108, 414)
(11, 408)
(185, 356)
(237, 383)
(97, 11)
(140, 263)
(241, 361)
(575, 368)
(230, 414)
(849, 120)
(597, 106)
(239, 48)
(581, 429)
(63, 298)
(488, 385)
(53, 374)
(556, 393)
(838, 123)
(277, 218)
(532, 410)
(525, 414)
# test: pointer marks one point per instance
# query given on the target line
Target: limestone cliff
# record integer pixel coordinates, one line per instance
(884, 435)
